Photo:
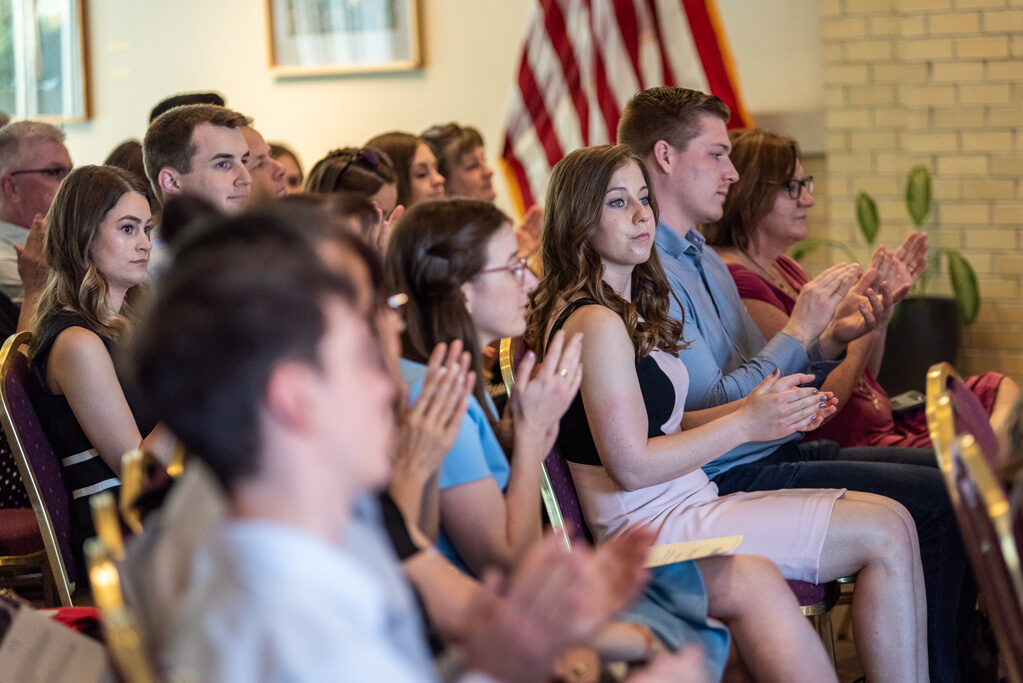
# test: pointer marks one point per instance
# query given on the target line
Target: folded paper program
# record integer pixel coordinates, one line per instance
(691, 550)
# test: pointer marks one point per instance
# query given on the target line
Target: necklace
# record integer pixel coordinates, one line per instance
(772, 275)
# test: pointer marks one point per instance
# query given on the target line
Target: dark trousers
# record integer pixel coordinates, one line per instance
(907, 475)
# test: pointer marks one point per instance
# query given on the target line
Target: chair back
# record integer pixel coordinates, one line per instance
(141, 471)
(953, 410)
(37, 464)
(560, 499)
(120, 629)
(986, 523)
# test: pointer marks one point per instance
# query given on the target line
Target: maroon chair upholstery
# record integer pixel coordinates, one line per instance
(38, 465)
(986, 524)
(19, 532)
(565, 493)
(971, 418)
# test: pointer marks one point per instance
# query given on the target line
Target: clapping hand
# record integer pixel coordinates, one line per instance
(528, 234)
(542, 394)
(778, 407)
(815, 306)
(32, 266)
(554, 601)
(428, 428)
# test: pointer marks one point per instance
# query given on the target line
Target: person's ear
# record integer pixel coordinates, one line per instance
(169, 180)
(467, 296)
(7, 186)
(663, 157)
(291, 395)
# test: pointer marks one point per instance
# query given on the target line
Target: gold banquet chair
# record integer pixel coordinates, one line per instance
(985, 519)
(136, 466)
(38, 466)
(953, 410)
(120, 629)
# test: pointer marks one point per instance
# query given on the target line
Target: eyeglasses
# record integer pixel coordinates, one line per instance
(57, 173)
(795, 187)
(517, 269)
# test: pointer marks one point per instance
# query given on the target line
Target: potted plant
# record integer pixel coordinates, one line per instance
(924, 329)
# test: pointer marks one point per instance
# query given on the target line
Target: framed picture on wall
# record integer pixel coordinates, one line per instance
(321, 37)
(43, 62)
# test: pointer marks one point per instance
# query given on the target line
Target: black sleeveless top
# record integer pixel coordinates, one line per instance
(575, 440)
(85, 473)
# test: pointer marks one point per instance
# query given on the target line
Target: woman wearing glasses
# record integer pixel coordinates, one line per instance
(458, 262)
(765, 214)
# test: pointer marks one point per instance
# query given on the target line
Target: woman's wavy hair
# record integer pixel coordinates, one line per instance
(764, 161)
(573, 208)
(81, 203)
(435, 248)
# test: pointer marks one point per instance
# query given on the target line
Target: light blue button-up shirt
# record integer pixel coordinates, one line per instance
(726, 356)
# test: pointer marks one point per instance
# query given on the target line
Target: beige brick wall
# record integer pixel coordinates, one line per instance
(938, 83)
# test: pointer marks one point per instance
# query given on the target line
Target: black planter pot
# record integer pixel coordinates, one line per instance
(923, 332)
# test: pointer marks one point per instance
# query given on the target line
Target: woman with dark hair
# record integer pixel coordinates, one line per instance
(367, 172)
(127, 155)
(458, 262)
(97, 246)
(764, 215)
(414, 165)
(636, 457)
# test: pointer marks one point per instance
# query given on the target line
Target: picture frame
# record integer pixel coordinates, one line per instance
(328, 37)
(44, 60)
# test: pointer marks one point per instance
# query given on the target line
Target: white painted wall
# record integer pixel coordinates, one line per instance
(143, 50)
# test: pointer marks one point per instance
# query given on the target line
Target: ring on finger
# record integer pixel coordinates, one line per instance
(562, 372)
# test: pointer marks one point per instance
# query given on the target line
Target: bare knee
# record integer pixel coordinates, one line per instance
(739, 583)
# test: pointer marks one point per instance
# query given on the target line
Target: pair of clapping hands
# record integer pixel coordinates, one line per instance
(521, 627)
(844, 302)
(542, 394)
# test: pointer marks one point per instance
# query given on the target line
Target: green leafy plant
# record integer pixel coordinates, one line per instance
(965, 289)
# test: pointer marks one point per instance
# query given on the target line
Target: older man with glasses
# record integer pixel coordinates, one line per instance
(33, 161)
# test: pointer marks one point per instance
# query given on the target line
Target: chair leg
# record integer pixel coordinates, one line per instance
(49, 595)
(822, 624)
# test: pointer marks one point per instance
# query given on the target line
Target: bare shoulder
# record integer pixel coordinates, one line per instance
(79, 350)
(594, 320)
(75, 341)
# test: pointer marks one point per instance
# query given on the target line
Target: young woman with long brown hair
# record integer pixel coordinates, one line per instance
(636, 458)
(97, 246)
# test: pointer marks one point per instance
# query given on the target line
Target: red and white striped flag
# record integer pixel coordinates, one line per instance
(581, 62)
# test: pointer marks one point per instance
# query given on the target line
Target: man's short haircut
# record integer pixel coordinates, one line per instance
(168, 140)
(186, 98)
(246, 295)
(12, 135)
(666, 113)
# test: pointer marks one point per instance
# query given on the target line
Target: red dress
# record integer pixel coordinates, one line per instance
(866, 418)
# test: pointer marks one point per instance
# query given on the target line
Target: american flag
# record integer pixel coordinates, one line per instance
(581, 62)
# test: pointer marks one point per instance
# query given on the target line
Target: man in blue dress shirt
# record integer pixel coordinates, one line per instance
(682, 137)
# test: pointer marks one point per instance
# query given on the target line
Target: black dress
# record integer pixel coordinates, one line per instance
(85, 472)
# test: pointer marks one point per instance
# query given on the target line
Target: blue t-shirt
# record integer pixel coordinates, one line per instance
(476, 454)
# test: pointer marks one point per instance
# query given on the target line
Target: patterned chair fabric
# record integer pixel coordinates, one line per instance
(53, 508)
